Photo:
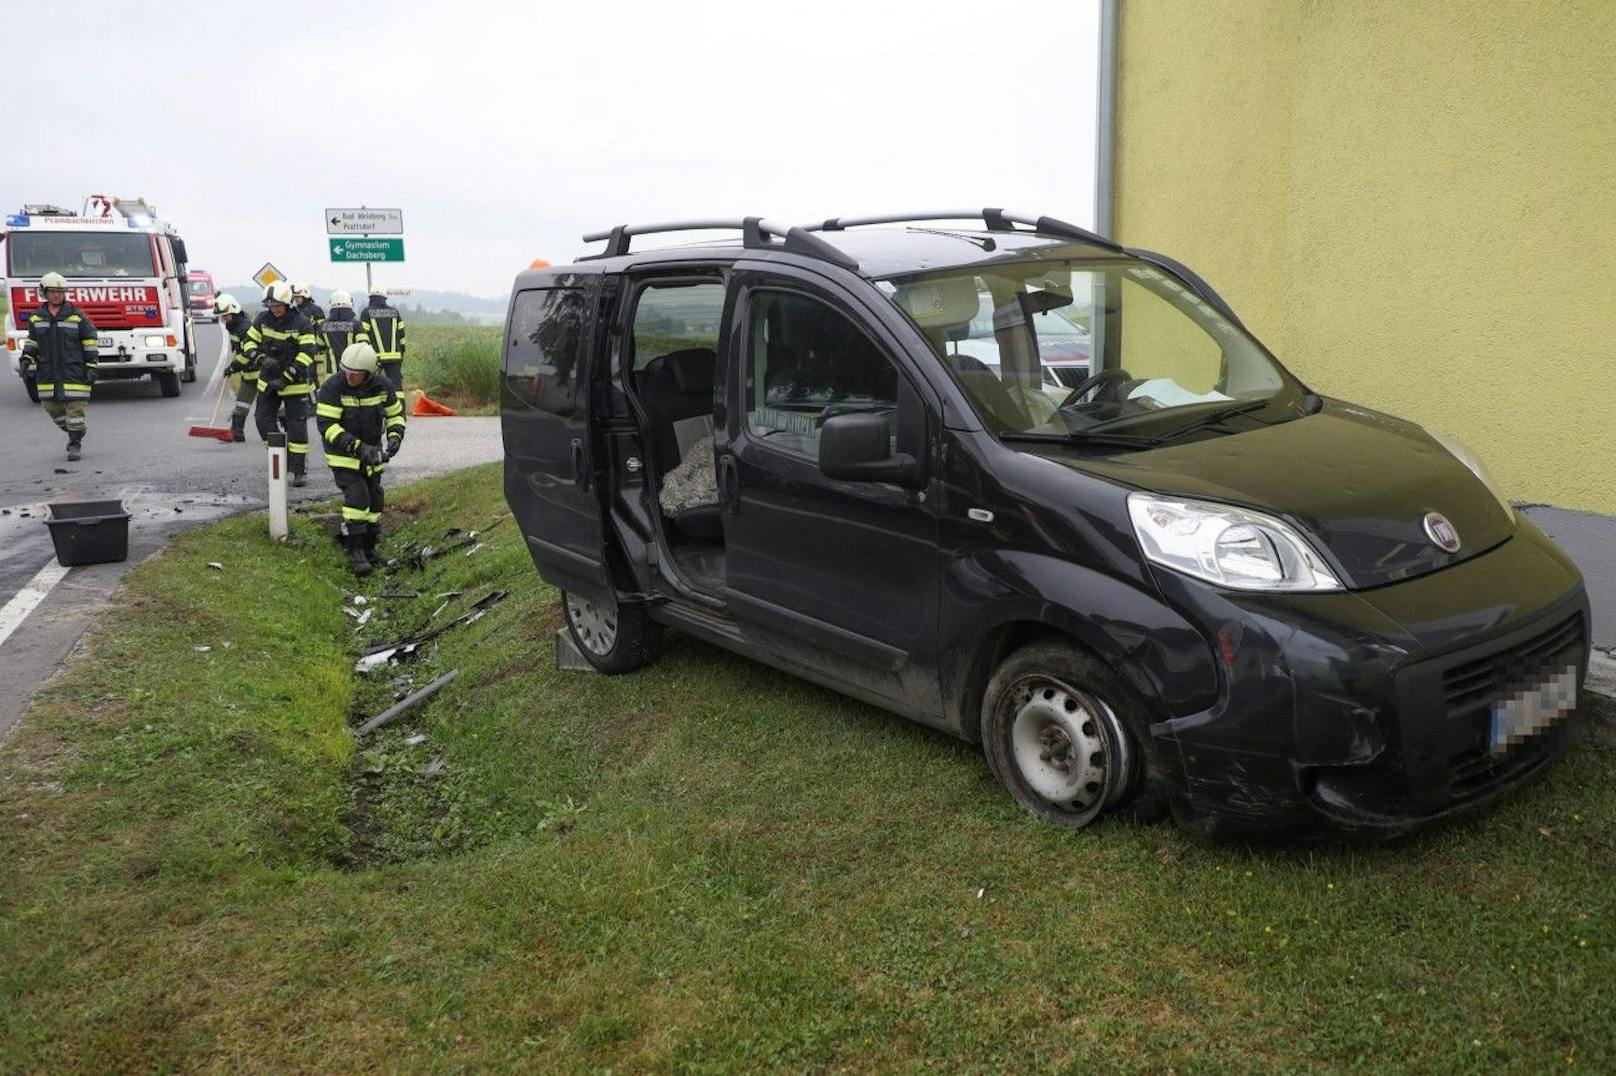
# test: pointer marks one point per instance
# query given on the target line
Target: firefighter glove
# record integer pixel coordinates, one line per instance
(372, 455)
(392, 447)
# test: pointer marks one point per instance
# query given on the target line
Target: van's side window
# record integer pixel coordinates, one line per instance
(549, 330)
(805, 363)
(676, 317)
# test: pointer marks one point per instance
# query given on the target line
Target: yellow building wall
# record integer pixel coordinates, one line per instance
(1413, 205)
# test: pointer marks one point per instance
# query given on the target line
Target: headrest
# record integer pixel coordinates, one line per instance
(692, 368)
(935, 303)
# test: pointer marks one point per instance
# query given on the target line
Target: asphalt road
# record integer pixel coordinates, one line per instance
(137, 450)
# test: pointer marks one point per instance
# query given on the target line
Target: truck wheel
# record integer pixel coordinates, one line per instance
(190, 367)
(613, 638)
(169, 382)
(1062, 733)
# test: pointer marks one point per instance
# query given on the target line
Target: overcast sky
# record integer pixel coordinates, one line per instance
(505, 131)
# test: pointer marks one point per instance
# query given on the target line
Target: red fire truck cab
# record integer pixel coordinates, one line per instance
(125, 269)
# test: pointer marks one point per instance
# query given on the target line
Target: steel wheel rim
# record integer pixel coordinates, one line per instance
(1069, 748)
(594, 624)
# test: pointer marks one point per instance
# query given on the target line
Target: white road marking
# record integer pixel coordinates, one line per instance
(32, 593)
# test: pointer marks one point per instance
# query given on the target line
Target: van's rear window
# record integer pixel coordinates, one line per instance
(80, 254)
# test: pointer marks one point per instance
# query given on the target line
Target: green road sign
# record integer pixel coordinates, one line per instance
(366, 250)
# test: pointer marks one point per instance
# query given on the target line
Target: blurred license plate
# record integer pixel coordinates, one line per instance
(105, 341)
(1533, 709)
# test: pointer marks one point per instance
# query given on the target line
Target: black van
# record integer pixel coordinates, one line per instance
(1170, 579)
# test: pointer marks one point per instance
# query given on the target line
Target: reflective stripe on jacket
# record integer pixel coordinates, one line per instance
(284, 349)
(385, 328)
(348, 417)
(62, 348)
(341, 328)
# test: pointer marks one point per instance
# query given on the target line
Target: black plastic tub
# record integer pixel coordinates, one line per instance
(89, 532)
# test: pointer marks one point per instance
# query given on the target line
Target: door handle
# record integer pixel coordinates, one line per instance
(580, 471)
(729, 483)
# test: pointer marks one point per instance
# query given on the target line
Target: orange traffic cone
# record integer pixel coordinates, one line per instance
(426, 405)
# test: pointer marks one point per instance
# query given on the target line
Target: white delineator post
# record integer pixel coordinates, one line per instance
(277, 486)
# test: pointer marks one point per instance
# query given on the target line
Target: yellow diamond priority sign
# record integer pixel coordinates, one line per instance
(268, 275)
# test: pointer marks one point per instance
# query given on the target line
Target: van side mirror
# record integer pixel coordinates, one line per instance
(858, 448)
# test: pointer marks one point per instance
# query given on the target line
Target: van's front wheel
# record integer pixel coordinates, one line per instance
(613, 638)
(1053, 736)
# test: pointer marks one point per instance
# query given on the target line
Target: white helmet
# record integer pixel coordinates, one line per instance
(225, 303)
(52, 280)
(341, 298)
(360, 358)
(279, 292)
(378, 291)
(301, 290)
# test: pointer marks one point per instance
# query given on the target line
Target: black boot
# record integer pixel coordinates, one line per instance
(73, 440)
(238, 427)
(373, 533)
(356, 553)
(299, 479)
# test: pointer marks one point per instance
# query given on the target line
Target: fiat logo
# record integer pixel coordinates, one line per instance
(1441, 532)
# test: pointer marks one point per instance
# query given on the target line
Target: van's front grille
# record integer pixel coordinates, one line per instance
(1472, 689)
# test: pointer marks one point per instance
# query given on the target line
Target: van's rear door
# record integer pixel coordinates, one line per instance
(548, 372)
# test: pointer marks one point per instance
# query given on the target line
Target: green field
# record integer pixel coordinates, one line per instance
(455, 364)
(703, 866)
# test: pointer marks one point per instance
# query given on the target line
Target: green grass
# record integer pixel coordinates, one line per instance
(702, 866)
(455, 364)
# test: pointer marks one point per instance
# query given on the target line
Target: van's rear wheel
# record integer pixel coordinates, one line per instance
(613, 638)
(169, 382)
(1053, 735)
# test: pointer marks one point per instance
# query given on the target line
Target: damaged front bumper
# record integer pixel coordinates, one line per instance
(1372, 713)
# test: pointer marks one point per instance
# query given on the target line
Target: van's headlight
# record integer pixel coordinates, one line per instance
(1467, 457)
(1229, 546)
(154, 341)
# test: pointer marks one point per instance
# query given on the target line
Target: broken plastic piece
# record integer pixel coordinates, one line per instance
(215, 565)
(393, 713)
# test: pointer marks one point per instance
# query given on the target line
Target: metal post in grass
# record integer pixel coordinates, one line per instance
(278, 528)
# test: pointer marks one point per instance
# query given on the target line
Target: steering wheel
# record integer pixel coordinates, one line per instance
(1104, 377)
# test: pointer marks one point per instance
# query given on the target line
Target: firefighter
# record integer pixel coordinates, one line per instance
(384, 328)
(361, 422)
(341, 328)
(303, 300)
(59, 357)
(281, 342)
(236, 323)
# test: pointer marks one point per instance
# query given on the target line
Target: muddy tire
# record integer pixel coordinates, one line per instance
(1066, 737)
(168, 383)
(613, 638)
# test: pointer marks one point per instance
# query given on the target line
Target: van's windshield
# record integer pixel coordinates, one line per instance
(80, 254)
(1068, 348)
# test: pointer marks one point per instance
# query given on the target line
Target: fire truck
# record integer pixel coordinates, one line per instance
(125, 269)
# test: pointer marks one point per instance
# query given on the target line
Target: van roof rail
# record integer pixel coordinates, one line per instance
(997, 220)
(755, 232)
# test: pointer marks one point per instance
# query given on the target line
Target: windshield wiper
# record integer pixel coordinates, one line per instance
(1079, 437)
(1212, 418)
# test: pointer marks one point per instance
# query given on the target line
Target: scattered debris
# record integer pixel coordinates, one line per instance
(360, 599)
(380, 655)
(215, 565)
(63, 470)
(469, 539)
(202, 649)
(412, 741)
(474, 549)
(398, 710)
(397, 595)
(351, 611)
(434, 767)
(364, 618)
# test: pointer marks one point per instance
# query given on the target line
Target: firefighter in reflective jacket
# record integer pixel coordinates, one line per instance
(340, 328)
(236, 323)
(60, 356)
(281, 341)
(303, 301)
(384, 328)
(361, 422)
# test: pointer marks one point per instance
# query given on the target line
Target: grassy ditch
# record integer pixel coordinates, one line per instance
(455, 364)
(705, 865)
